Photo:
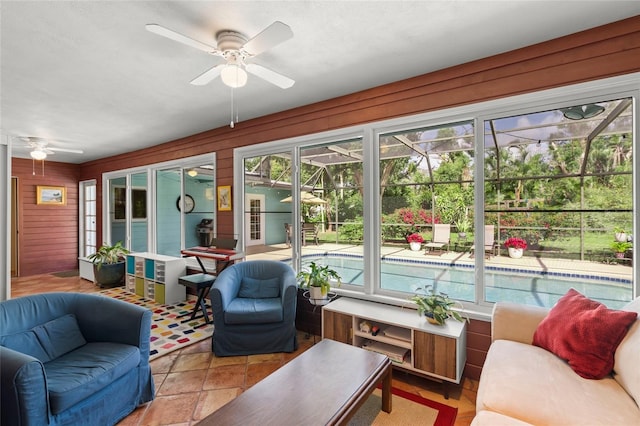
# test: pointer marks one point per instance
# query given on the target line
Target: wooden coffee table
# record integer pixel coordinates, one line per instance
(324, 385)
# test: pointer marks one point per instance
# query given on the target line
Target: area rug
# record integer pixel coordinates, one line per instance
(168, 332)
(407, 409)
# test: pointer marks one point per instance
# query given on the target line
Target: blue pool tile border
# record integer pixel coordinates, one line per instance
(572, 275)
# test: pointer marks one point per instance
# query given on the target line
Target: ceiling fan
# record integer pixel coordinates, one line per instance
(237, 51)
(40, 147)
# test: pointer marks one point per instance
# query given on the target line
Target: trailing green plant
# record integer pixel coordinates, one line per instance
(436, 305)
(318, 276)
(108, 254)
(621, 246)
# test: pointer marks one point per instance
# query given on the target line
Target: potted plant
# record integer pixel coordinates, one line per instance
(436, 307)
(516, 247)
(620, 234)
(463, 226)
(415, 240)
(620, 247)
(317, 279)
(109, 264)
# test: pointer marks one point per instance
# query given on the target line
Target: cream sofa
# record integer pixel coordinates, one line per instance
(524, 384)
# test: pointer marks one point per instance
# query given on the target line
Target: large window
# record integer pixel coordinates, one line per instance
(426, 193)
(162, 208)
(559, 183)
(445, 201)
(88, 228)
(268, 211)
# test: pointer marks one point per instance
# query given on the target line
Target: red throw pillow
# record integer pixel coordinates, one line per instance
(583, 332)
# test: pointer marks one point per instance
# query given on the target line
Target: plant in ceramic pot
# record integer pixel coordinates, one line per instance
(620, 248)
(620, 234)
(415, 240)
(463, 226)
(516, 247)
(109, 264)
(318, 280)
(435, 306)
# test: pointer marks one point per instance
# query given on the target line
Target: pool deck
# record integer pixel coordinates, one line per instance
(541, 264)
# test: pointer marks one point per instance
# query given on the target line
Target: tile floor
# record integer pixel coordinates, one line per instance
(192, 383)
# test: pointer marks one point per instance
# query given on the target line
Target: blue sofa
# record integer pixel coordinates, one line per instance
(73, 359)
(254, 309)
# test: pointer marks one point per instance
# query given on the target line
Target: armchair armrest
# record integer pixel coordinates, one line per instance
(102, 319)
(24, 398)
(512, 321)
(225, 288)
(288, 280)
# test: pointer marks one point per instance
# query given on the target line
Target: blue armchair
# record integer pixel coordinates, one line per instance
(254, 309)
(71, 358)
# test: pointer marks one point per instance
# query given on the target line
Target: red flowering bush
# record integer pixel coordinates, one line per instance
(515, 242)
(415, 238)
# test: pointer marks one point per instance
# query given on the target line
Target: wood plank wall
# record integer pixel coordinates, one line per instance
(602, 52)
(47, 235)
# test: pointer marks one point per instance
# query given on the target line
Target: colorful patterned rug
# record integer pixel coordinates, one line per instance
(168, 332)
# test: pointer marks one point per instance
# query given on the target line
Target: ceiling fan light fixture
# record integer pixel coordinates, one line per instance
(582, 112)
(38, 154)
(233, 76)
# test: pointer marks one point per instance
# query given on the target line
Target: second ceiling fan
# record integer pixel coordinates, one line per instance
(236, 50)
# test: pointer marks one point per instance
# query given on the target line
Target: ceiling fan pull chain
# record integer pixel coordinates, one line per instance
(237, 113)
(232, 124)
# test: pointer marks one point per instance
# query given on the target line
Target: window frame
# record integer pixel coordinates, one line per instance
(627, 86)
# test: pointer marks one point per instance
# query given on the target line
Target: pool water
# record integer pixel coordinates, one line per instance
(529, 288)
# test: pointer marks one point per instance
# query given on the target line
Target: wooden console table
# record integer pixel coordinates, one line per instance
(324, 386)
(433, 351)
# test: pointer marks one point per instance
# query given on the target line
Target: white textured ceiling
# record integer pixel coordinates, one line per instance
(87, 75)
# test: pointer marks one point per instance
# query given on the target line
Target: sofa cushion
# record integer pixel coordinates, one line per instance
(256, 288)
(83, 372)
(60, 336)
(27, 343)
(583, 332)
(535, 386)
(253, 311)
(625, 369)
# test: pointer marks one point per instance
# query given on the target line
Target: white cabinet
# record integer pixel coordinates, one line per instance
(407, 338)
(155, 277)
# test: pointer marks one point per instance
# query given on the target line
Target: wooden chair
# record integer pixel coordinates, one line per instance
(440, 240)
(309, 231)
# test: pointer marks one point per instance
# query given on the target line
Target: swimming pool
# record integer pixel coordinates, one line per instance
(520, 286)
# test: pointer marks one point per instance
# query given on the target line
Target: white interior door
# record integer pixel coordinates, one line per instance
(254, 219)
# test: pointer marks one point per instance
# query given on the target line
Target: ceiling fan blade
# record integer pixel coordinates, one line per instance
(73, 151)
(170, 34)
(272, 77)
(271, 36)
(207, 76)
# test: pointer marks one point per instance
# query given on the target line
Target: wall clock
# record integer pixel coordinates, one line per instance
(189, 204)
